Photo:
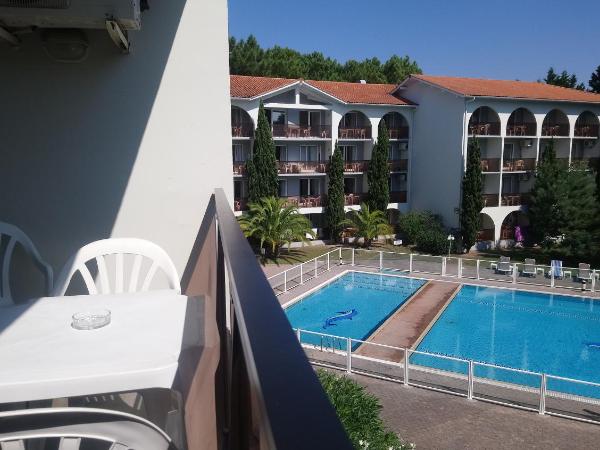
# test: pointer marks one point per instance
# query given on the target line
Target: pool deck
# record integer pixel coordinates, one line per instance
(410, 323)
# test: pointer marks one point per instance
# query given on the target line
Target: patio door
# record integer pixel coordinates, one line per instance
(350, 185)
(310, 118)
(281, 153)
(510, 184)
(283, 188)
(348, 152)
(310, 153)
(310, 187)
(510, 151)
(238, 153)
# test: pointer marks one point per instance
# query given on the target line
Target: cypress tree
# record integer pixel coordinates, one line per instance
(334, 208)
(263, 180)
(545, 213)
(472, 201)
(379, 173)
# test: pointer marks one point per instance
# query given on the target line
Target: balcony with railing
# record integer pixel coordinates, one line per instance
(398, 133)
(398, 197)
(523, 129)
(317, 131)
(490, 164)
(301, 167)
(518, 165)
(490, 200)
(362, 133)
(515, 199)
(354, 198)
(521, 123)
(589, 162)
(356, 166)
(305, 201)
(484, 122)
(239, 168)
(586, 131)
(398, 165)
(242, 130)
(557, 130)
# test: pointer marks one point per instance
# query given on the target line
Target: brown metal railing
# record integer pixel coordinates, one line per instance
(354, 133)
(354, 199)
(302, 131)
(522, 129)
(591, 162)
(398, 165)
(398, 133)
(242, 130)
(490, 165)
(305, 201)
(291, 167)
(590, 131)
(484, 129)
(560, 129)
(398, 197)
(490, 200)
(515, 199)
(515, 165)
(356, 166)
(239, 168)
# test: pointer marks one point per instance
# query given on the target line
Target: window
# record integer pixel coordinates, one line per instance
(350, 120)
(239, 189)
(310, 153)
(310, 186)
(510, 184)
(310, 118)
(348, 152)
(398, 182)
(349, 185)
(238, 153)
(281, 153)
(283, 188)
(395, 151)
(510, 151)
(278, 117)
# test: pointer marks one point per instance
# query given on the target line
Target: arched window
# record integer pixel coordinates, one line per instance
(354, 125)
(555, 123)
(397, 125)
(484, 122)
(521, 123)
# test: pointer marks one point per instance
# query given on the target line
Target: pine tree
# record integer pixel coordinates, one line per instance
(594, 82)
(379, 173)
(545, 213)
(472, 200)
(334, 208)
(263, 180)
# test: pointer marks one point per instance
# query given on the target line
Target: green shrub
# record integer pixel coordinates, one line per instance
(359, 411)
(425, 230)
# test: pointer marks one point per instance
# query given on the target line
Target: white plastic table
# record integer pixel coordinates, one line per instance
(43, 357)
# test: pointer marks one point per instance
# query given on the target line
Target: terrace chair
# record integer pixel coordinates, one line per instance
(99, 250)
(584, 273)
(529, 268)
(78, 428)
(556, 269)
(504, 266)
(13, 235)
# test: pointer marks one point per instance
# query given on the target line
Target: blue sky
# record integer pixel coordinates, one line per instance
(503, 39)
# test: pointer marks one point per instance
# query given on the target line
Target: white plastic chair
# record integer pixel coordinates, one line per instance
(74, 426)
(16, 236)
(119, 248)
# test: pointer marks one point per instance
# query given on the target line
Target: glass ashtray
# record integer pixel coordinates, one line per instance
(91, 320)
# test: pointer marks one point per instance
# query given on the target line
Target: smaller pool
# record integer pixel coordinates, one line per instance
(356, 304)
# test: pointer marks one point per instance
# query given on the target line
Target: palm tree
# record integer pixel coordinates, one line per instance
(368, 224)
(274, 223)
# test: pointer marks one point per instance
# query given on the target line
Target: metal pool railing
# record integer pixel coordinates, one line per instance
(445, 266)
(474, 380)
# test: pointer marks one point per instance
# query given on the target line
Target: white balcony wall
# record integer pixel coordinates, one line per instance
(118, 145)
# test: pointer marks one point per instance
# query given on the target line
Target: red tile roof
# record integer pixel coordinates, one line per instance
(510, 89)
(242, 86)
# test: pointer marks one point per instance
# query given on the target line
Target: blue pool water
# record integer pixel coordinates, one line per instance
(531, 331)
(373, 297)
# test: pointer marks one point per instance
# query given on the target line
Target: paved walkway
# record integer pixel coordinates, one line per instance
(405, 327)
(433, 420)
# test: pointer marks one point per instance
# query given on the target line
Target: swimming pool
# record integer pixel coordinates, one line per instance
(372, 297)
(538, 332)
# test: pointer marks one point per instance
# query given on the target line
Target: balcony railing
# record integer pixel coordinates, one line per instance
(398, 165)
(305, 201)
(515, 199)
(239, 168)
(590, 131)
(302, 131)
(356, 166)
(398, 197)
(561, 129)
(398, 133)
(354, 133)
(485, 235)
(354, 199)
(591, 162)
(291, 167)
(490, 165)
(515, 165)
(242, 130)
(490, 200)
(265, 390)
(484, 129)
(240, 204)
(523, 129)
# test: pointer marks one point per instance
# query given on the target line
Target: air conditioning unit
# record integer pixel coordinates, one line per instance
(91, 14)
(588, 143)
(526, 143)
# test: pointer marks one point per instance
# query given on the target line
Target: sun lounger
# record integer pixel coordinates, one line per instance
(529, 267)
(556, 269)
(504, 266)
(584, 272)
